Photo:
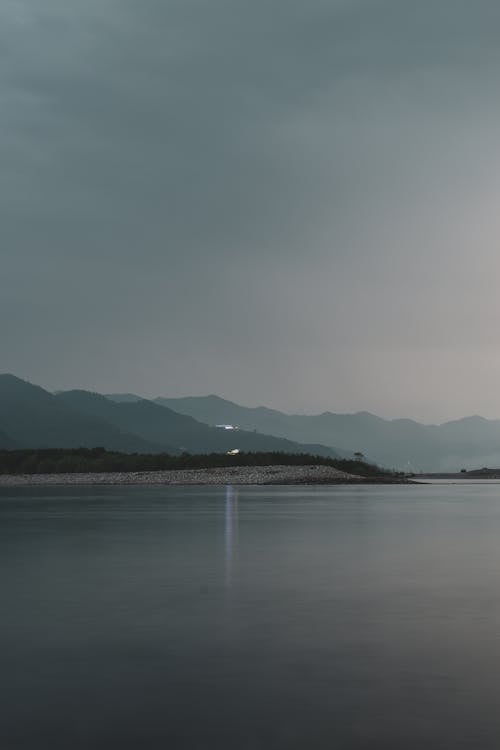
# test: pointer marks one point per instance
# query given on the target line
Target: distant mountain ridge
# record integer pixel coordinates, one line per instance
(32, 417)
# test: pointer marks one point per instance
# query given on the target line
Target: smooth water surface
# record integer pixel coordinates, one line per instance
(213, 617)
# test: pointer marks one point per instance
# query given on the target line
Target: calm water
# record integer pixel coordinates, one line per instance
(253, 618)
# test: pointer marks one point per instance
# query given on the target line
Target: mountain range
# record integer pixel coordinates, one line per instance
(31, 417)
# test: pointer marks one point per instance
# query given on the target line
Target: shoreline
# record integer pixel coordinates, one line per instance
(241, 475)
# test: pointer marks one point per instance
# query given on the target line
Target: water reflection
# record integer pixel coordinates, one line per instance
(230, 531)
(344, 617)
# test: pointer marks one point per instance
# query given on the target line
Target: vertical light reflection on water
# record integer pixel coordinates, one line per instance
(231, 531)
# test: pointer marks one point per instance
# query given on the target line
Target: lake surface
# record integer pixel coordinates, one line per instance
(206, 617)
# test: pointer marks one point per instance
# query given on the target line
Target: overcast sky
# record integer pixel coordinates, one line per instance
(285, 202)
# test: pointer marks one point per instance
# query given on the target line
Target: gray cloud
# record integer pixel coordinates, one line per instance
(269, 200)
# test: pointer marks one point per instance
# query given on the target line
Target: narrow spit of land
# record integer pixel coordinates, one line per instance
(240, 475)
(98, 466)
(237, 475)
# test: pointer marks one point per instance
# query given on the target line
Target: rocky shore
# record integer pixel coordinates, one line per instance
(313, 474)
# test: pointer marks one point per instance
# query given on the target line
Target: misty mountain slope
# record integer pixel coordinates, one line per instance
(165, 426)
(214, 410)
(34, 418)
(400, 443)
(473, 441)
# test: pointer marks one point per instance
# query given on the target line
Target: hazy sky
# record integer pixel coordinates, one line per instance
(289, 202)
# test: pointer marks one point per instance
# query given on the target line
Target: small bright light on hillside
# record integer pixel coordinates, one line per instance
(234, 452)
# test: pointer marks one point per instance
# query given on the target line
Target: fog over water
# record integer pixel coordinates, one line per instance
(250, 617)
(285, 203)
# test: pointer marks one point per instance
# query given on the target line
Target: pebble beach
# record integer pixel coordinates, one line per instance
(313, 474)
